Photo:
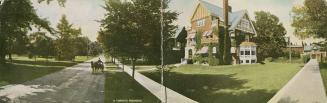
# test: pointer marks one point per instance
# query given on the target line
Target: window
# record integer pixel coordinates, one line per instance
(242, 52)
(253, 53)
(252, 61)
(247, 52)
(241, 61)
(200, 23)
(247, 61)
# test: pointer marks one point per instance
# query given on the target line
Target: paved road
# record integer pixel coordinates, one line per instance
(156, 88)
(305, 87)
(72, 85)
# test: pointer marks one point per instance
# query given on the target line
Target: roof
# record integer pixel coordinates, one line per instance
(234, 17)
(294, 46)
(309, 48)
(248, 44)
(178, 31)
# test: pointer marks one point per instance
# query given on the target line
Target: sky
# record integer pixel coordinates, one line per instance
(85, 13)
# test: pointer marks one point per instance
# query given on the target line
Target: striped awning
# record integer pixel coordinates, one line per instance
(205, 50)
(207, 33)
(191, 36)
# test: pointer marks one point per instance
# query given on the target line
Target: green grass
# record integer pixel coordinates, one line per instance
(323, 70)
(24, 69)
(120, 87)
(82, 58)
(229, 84)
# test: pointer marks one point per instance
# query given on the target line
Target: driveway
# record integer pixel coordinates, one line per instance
(74, 84)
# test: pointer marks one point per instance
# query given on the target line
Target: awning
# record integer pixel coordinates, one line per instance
(203, 50)
(191, 36)
(207, 33)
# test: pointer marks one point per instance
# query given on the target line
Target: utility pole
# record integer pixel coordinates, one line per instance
(163, 87)
(227, 41)
(290, 45)
(1, 46)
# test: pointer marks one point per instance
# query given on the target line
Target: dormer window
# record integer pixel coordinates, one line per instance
(200, 23)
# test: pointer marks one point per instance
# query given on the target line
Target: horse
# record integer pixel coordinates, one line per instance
(97, 66)
(93, 66)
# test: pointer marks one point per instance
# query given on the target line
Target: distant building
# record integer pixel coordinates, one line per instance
(315, 52)
(208, 20)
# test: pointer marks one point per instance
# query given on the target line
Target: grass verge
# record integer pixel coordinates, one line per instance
(121, 88)
(228, 84)
(24, 69)
(323, 70)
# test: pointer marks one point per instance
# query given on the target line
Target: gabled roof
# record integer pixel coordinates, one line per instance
(178, 31)
(234, 17)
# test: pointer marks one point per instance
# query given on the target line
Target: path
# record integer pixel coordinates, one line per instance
(156, 88)
(305, 87)
(74, 84)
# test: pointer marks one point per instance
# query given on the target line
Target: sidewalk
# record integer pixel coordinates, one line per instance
(156, 88)
(305, 87)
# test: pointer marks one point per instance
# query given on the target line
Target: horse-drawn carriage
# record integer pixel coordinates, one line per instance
(98, 65)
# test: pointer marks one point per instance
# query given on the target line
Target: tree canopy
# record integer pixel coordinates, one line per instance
(271, 35)
(17, 18)
(66, 45)
(132, 29)
(310, 20)
(41, 45)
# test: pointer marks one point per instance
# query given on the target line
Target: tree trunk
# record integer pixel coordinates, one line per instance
(2, 50)
(10, 57)
(34, 60)
(221, 46)
(133, 66)
(2, 58)
(123, 60)
(227, 47)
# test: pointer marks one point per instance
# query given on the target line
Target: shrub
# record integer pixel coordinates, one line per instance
(213, 61)
(200, 59)
(269, 59)
(305, 58)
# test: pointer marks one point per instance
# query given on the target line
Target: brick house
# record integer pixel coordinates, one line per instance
(208, 20)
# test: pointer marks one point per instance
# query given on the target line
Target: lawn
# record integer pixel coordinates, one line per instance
(323, 70)
(229, 84)
(121, 88)
(24, 69)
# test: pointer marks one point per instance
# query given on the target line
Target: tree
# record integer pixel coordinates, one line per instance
(60, 2)
(198, 39)
(17, 18)
(271, 33)
(95, 48)
(65, 44)
(82, 44)
(122, 32)
(310, 20)
(147, 13)
(132, 29)
(41, 45)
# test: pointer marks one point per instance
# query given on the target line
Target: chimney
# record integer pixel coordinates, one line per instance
(230, 8)
(226, 10)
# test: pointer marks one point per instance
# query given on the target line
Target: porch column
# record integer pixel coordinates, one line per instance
(250, 55)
